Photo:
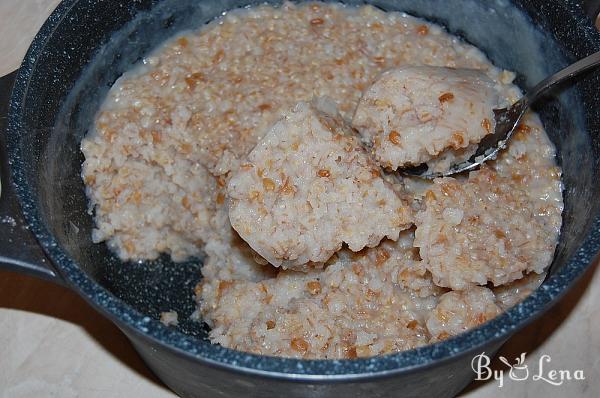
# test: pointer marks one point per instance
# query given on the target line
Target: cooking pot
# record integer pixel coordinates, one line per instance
(45, 228)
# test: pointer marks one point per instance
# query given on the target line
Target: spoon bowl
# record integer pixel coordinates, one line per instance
(507, 120)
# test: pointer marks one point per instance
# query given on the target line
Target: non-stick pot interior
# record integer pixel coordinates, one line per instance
(97, 41)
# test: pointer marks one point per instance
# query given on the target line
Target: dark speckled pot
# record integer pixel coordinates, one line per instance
(86, 44)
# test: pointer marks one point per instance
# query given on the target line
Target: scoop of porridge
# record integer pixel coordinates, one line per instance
(457, 312)
(305, 188)
(412, 114)
(198, 127)
(465, 240)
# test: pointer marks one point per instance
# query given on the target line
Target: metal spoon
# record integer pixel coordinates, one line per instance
(507, 120)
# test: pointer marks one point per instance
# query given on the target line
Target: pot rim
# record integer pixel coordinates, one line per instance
(151, 330)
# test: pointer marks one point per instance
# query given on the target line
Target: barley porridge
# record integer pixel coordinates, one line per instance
(414, 114)
(176, 134)
(306, 186)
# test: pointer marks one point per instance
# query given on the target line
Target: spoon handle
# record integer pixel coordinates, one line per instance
(565, 74)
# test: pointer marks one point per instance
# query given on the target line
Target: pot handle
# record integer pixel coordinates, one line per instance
(592, 9)
(19, 249)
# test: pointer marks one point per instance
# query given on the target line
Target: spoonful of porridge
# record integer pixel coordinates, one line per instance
(432, 121)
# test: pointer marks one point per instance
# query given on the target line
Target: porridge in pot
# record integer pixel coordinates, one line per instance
(217, 144)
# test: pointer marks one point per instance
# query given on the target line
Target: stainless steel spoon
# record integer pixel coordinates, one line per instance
(507, 120)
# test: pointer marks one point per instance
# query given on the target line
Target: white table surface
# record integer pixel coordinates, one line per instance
(52, 344)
